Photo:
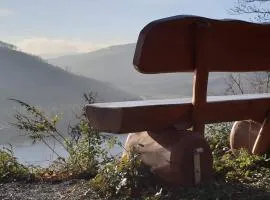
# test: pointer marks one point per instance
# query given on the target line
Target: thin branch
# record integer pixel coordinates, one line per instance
(268, 82)
(252, 7)
(44, 141)
(235, 82)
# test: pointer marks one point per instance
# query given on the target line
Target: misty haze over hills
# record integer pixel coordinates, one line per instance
(114, 65)
(108, 72)
(36, 82)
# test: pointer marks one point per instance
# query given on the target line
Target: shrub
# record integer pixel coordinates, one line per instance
(238, 166)
(10, 168)
(85, 146)
(243, 167)
(127, 178)
(217, 135)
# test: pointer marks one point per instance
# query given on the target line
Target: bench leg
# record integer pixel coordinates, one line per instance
(197, 165)
(262, 142)
(199, 128)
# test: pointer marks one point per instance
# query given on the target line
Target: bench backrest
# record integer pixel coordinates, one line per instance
(184, 43)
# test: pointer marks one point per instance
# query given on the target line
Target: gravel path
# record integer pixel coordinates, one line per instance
(75, 190)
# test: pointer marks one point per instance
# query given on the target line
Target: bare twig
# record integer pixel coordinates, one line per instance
(256, 8)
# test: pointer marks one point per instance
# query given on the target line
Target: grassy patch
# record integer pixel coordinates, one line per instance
(10, 168)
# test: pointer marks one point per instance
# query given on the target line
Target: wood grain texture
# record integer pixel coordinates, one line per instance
(200, 83)
(133, 116)
(127, 119)
(163, 44)
(199, 99)
(166, 45)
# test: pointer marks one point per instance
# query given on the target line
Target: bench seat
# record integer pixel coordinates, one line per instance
(134, 116)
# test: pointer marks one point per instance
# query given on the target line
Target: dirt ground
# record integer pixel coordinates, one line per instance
(75, 190)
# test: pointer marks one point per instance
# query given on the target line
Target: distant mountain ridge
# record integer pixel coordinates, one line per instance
(114, 65)
(21, 70)
(7, 45)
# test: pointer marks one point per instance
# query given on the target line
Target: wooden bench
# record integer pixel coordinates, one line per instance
(199, 45)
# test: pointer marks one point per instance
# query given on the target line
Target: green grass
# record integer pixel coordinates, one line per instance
(10, 168)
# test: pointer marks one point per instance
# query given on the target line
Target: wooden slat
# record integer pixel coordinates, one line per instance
(125, 117)
(133, 116)
(166, 45)
(235, 110)
(235, 46)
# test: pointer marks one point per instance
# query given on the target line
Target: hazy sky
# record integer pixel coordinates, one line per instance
(56, 27)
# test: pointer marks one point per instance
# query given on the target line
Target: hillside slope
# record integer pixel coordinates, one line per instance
(31, 79)
(114, 65)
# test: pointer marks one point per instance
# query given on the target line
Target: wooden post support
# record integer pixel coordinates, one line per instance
(262, 142)
(197, 165)
(200, 82)
(199, 99)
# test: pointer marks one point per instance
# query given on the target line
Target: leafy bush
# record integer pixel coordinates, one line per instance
(125, 179)
(90, 152)
(238, 166)
(10, 168)
(85, 146)
(217, 135)
(242, 167)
